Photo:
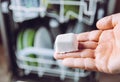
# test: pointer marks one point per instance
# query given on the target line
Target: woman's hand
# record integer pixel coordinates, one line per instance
(99, 50)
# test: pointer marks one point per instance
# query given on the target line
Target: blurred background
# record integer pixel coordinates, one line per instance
(28, 29)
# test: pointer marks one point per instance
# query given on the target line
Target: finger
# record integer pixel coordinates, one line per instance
(92, 36)
(83, 36)
(82, 63)
(86, 53)
(108, 22)
(87, 45)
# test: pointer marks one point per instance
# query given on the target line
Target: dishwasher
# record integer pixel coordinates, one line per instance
(29, 29)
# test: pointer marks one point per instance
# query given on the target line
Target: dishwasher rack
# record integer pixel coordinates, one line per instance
(86, 10)
(47, 66)
(38, 59)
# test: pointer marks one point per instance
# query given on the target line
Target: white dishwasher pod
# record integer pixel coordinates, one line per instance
(66, 43)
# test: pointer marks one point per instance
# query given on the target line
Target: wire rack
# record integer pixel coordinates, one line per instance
(45, 65)
(28, 9)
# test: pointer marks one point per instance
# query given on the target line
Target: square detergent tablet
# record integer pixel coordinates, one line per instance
(66, 43)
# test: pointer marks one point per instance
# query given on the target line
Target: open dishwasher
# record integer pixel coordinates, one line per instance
(30, 28)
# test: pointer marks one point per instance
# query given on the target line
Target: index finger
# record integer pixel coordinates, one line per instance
(89, 36)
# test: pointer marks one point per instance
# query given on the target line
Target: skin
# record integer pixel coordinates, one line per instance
(99, 50)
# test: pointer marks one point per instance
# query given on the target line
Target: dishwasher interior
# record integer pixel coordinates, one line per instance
(31, 27)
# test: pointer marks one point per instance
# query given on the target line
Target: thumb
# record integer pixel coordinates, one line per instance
(108, 22)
